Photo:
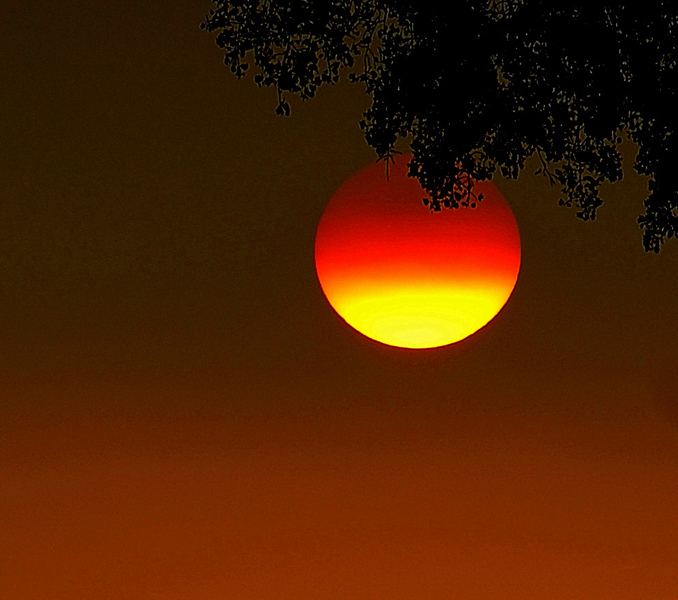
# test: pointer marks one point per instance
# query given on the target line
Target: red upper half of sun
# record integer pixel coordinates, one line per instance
(376, 239)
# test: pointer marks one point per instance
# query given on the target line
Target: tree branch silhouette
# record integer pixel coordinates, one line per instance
(485, 87)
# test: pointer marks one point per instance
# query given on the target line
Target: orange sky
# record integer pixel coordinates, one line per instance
(182, 415)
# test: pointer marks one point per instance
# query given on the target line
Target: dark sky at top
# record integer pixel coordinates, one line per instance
(182, 415)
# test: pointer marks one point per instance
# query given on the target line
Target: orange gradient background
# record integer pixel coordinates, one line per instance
(405, 276)
(182, 415)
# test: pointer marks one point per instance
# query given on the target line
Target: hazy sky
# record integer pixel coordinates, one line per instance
(182, 414)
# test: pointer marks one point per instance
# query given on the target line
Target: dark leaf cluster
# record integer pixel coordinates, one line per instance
(485, 86)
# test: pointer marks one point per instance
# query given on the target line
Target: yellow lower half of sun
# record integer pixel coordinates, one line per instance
(420, 316)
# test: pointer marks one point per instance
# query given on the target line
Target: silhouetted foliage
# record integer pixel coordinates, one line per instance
(486, 86)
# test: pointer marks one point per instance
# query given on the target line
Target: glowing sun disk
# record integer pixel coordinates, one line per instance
(405, 277)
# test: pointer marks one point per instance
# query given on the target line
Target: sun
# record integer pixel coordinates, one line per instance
(407, 277)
